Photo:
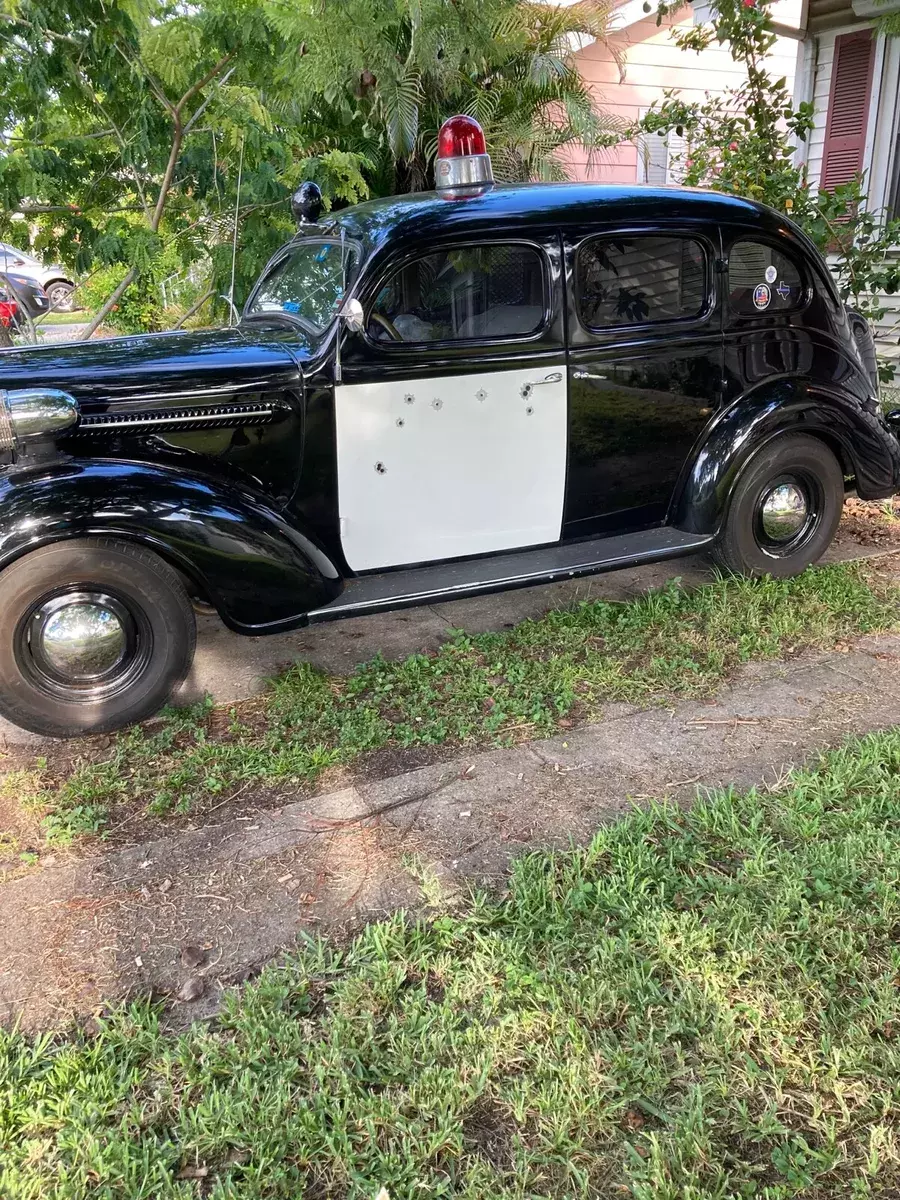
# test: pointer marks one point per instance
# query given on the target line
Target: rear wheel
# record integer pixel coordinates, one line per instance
(94, 635)
(784, 510)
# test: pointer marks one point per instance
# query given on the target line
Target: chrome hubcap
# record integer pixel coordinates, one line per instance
(82, 640)
(784, 513)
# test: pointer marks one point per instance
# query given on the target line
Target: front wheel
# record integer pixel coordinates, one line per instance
(784, 509)
(94, 635)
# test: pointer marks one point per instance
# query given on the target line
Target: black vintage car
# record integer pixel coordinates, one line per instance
(428, 396)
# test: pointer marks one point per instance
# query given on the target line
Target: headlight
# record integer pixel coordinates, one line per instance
(27, 413)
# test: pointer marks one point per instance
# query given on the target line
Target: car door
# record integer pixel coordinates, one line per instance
(451, 418)
(645, 369)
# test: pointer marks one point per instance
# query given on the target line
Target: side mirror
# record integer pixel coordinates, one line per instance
(353, 316)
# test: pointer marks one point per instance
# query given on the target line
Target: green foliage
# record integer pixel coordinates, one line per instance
(860, 241)
(491, 688)
(126, 124)
(123, 126)
(744, 142)
(699, 1005)
(139, 308)
(392, 70)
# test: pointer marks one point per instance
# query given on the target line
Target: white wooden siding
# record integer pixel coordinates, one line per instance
(821, 93)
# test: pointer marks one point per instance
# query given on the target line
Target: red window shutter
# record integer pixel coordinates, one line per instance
(848, 108)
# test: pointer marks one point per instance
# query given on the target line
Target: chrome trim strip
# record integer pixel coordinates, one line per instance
(208, 416)
(210, 393)
(470, 170)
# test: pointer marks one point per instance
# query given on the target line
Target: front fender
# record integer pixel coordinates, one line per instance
(260, 573)
(854, 429)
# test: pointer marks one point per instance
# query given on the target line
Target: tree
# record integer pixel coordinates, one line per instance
(388, 72)
(742, 140)
(138, 131)
(129, 123)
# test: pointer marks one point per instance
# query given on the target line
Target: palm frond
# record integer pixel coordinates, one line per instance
(400, 98)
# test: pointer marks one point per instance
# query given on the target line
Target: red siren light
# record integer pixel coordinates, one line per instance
(462, 163)
(460, 136)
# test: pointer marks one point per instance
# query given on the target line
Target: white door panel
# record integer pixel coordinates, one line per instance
(451, 466)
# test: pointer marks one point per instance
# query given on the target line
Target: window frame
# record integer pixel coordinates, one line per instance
(806, 288)
(285, 252)
(462, 344)
(709, 298)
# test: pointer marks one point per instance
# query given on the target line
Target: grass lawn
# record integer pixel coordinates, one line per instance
(700, 1005)
(491, 688)
(64, 318)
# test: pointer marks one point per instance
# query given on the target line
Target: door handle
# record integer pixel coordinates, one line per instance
(588, 375)
(528, 388)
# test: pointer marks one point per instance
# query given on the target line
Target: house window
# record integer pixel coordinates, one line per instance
(639, 280)
(661, 157)
(467, 292)
(762, 280)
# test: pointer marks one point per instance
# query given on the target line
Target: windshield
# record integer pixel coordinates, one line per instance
(308, 284)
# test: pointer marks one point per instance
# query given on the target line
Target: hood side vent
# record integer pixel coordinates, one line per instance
(208, 416)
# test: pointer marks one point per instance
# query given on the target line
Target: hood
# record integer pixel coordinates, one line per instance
(183, 367)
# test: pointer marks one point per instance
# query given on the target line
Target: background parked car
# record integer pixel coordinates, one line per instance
(54, 279)
(28, 292)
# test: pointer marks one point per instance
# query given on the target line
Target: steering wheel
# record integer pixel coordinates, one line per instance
(387, 325)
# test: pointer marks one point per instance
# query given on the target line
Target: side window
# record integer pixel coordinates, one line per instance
(762, 279)
(639, 280)
(463, 293)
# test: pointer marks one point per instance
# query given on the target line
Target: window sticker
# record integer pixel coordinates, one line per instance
(771, 274)
(762, 294)
(784, 291)
(291, 306)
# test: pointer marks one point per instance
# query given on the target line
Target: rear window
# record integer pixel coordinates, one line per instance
(762, 279)
(640, 280)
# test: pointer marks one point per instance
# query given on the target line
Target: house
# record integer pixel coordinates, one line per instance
(640, 62)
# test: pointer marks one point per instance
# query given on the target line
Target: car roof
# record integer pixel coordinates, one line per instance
(527, 206)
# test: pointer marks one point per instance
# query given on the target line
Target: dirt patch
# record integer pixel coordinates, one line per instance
(204, 899)
(870, 523)
(488, 1131)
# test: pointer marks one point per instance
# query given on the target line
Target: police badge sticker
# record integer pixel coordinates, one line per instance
(771, 274)
(762, 294)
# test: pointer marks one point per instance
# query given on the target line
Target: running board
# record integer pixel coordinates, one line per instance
(407, 587)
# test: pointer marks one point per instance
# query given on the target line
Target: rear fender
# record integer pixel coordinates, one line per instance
(853, 429)
(260, 573)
